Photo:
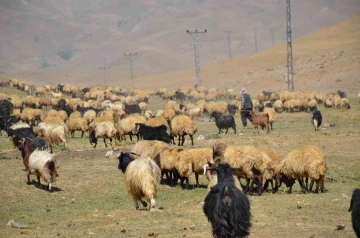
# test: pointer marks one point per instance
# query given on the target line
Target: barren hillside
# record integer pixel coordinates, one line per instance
(70, 40)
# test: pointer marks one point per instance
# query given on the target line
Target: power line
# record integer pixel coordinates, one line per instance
(195, 36)
(228, 36)
(256, 47)
(131, 67)
(272, 35)
(104, 68)
(290, 69)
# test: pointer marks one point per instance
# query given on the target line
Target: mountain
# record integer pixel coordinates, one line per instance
(63, 40)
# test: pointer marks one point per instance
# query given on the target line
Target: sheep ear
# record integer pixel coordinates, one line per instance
(351, 204)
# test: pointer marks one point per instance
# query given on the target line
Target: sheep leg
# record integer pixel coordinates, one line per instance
(266, 185)
(28, 177)
(105, 142)
(143, 203)
(38, 178)
(182, 140)
(82, 134)
(260, 184)
(301, 185)
(271, 123)
(136, 203)
(179, 140)
(234, 127)
(192, 140)
(197, 179)
(72, 134)
(152, 203)
(130, 137)
(226, 130)
(246, 189)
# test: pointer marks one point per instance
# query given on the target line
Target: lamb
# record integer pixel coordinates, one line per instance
(142, 178)
(182, 125)
(224, 121)
(307, 161)
(77, 124)
(227, 207)
(316, 118)
(355, 211)
(55, 134)
(260, 120)
(103, 129)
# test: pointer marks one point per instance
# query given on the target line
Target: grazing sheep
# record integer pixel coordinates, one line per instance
(89, 116)
(344, 103)
(77, 124)
(278, 106)
(272, 159)
(103, 129)
(182, 125)
(355, 211)
(227, 207)
(271, 113)
(53, 120)
(316, 118)
(308, 161)
(142, 178)
(174, 160)
(127, 126)
(224, 121)
(149, 148)
(55, 134)
(248, 159)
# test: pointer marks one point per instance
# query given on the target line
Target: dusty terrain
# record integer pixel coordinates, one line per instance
(91, 201)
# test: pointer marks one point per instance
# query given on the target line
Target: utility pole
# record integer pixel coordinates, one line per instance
(290, 69)
(228, 36)
(104, 68)
(256, 47)
(131, 67)
(272, 36)
(195, 36)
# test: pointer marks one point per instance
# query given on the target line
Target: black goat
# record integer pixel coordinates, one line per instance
(6, 122)
(227, 207)
(316, 118)
(153, 133)
(341, 94)
(132, 108)
(224, 121)
(355, 211)
(180, 96)
(82, 110)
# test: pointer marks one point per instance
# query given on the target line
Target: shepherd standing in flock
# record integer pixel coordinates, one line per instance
(246, 107)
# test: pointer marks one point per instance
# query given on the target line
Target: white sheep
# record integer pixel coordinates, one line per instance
(42, 164)
(55, 134)
(142, 179)
(103, 129)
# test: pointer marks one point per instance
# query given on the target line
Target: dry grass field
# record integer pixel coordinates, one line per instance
(90, 198)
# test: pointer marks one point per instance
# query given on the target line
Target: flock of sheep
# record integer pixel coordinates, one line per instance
(115, 112)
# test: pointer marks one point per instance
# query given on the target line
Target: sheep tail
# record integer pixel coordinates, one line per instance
(50, 172)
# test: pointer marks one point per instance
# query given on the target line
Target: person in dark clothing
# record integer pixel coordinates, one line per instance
(246, 107)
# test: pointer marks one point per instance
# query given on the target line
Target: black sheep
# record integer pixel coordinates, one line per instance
(124, 160)
(341, 94)
(226, 207)
(132, 108)
(153, 133)
(224, 121)
(316, 118)
(355, 211)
